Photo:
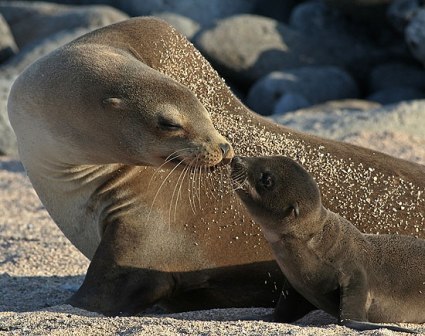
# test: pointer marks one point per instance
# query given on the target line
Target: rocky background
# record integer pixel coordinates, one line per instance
(350, 70)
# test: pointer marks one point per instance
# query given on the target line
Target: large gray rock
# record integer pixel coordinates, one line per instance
(31, 22)
(8, 46)
(401, 12)
(415, 36)
(340, 123)
(7, 136)
(394, 95)
(315, 84)
(364, 10)
(395, 74)
(315, 16)
(247, 47)
(33, 51)
(184, 25)
(290, 101)
(276, 9)
(203, 12)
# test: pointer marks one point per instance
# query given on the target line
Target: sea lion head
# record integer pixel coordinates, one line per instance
(278, 192)
(110, 107)
(167, 122)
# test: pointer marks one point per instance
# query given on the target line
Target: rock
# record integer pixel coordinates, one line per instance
(247, 47)
(8, 143)
(203, 12)
(33, 51)
(8, 46)
(183, 24)
(389, 75)
(415, 36)
(363, 10)
(341, 123)
(294, 119)
(401, 12)
(316, 84)
(314, 16)
(30, 22)
(393, 95)
(275, 9)
(290, 101)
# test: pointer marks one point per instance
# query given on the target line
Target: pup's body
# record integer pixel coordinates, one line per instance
(353, 276)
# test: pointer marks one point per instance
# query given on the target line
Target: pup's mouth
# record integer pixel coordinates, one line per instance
(239, 172)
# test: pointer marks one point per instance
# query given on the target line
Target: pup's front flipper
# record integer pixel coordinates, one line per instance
(353, 304)
(360, 325)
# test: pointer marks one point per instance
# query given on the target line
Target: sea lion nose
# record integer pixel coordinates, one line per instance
(225, 148)
(227, 153)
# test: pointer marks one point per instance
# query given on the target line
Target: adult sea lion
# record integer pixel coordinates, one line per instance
(79, 117)
(358, 278)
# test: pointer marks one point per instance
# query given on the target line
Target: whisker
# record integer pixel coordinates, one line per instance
(189, 186)
(172, 197)
(185, 170)
(167, 160)
(159, 189)
(199, 188)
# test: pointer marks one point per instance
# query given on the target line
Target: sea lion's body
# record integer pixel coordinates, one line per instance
(353, 276)
(194, 254)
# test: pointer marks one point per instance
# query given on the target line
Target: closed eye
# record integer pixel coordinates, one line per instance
(169, 125)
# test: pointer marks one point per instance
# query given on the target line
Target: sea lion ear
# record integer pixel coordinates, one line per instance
(296, 209)
(113, 102)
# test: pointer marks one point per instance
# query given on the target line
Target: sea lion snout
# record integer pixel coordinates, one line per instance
(226, 152)
(239, 169)
(236, 162)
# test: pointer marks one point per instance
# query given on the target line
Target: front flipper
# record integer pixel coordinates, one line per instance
(114, 285)
(354, 306)
(291, 305)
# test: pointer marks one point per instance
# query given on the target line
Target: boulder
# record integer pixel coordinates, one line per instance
(203, 12)
(373, 11)
(245, 48)
(8, 145)
(35, 50)
(401, 12)
(184, 25)
(30, 22)
(290, 101)
(415, 36)
(393, 95)
(314, 16)
(276, 9)
(8, 47)
(396, 74)
(314, 84)
(374, 122)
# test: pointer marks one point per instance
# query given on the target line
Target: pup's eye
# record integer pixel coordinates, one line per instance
(266, 180)
(169, 125)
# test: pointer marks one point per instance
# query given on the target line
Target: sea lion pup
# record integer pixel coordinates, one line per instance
(358, 278)
(92, 122)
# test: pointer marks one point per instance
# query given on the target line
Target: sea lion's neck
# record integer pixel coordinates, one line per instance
(66, 190)
(335, 236)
